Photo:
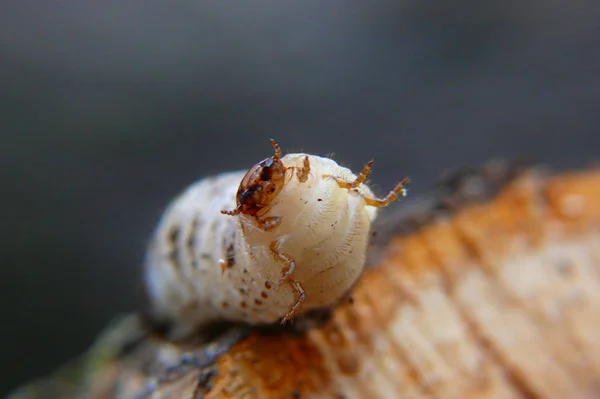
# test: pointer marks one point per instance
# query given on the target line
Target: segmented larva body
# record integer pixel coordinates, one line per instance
(262, 245)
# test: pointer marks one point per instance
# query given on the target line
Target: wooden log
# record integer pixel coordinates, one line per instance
(488, 288)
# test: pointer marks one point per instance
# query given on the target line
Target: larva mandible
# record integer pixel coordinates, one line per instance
(262, 245)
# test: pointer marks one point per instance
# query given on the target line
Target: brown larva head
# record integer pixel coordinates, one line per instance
(261, 184)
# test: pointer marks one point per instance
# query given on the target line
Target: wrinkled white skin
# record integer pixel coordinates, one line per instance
(324, 228)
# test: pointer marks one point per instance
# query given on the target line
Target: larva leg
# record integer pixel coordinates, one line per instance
(301, 297)
(302, 173)
(359, 179)
(283, 258)
(392, 196)
(286, 277)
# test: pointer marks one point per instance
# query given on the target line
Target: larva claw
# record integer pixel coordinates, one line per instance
(289, 316)
(392, 196)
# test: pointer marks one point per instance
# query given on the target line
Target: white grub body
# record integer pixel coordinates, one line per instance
(203, 266)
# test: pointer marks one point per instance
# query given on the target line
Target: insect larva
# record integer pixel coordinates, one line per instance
(260, 246)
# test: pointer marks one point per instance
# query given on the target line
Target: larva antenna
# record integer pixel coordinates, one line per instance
(234, 212)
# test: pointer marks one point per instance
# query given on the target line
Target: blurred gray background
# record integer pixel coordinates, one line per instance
(110, 108)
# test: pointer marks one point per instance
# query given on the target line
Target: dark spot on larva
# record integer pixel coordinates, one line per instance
(190, 238)
(319, 199)
(305, 202)
(264, 295)
(174, 232)
(189, 242)
(268, 285)
(245, 271)
(228, 244)
(244, 305)
(243, 290)
(374, 233)
(331, 224)
(172, 238)
(224, 304)
(258, 302)
(230, 257)
(296, 394)
(350, 299)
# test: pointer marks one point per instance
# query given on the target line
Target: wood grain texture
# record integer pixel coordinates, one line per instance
(474, 299)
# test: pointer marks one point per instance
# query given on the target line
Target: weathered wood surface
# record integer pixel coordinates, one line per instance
(468, 299)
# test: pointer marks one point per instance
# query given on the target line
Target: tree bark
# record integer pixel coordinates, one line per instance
(487, 288)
